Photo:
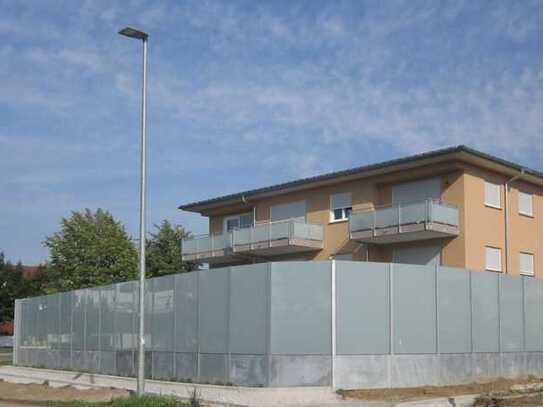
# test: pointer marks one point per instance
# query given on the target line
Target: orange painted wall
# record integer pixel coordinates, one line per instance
(463, 187)
(486, 225)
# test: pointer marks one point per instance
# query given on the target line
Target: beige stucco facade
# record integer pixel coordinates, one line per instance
(462, 185)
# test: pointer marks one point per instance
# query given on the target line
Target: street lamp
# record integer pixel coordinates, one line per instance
(140, 35)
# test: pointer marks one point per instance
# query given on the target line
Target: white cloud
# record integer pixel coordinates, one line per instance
(271, 91)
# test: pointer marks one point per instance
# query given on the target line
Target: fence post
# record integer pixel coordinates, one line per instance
(523, 279)
(470, 288)
(334, 332)
(228, 324)
(500, 355)
(268, 322)
(390, 321)
(436, 300)
(174, 313)
(198, 324)
(99, 331)
(150, 288)
(85, 354)
(71, 329)
(16, 331)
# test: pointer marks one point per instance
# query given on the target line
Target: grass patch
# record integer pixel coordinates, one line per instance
(7, 360)
(132, 401)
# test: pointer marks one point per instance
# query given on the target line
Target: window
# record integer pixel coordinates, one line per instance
(492, 195)
(526, 263)
(493, 258)
(525, 204)
(241, 221)
(340, 207)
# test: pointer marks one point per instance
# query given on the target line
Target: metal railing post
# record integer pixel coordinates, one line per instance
(374, 222)
(290, 230)
(399, 217)
(427, 210)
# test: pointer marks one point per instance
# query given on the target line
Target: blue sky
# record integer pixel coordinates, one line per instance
(245, 94)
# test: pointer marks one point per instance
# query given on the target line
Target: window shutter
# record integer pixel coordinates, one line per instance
(525, 203)
(343, 200)
(293, 210)
(526, 263)
(493, 259)
(492, 194)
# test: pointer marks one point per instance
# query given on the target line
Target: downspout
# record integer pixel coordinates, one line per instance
(506, 213)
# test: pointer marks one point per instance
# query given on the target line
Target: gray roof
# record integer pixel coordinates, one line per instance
(357, 170)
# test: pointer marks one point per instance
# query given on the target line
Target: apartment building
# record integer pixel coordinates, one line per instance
(454, 207)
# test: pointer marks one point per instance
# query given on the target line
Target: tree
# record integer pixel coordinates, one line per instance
(91, 249)
(44, 281)
(164, 251)
(11, 279)
(13, 285)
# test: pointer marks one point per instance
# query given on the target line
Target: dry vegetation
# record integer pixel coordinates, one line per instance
(412, 393)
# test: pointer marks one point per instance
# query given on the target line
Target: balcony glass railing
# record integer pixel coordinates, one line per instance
(260, 233)
(206, 243)
(403, 214)
(289, 229)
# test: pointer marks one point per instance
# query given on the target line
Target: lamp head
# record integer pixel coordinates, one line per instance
(134, 33)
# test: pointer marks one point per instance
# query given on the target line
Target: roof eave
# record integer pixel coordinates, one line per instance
(460, 152)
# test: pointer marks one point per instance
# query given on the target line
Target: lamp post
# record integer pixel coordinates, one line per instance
(140, 35)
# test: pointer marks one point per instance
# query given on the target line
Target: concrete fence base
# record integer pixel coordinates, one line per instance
(350, 371)
(382, 371)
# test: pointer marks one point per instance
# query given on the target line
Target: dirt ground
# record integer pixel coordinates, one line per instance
(499, 385)
(36, 394)
(523, 401)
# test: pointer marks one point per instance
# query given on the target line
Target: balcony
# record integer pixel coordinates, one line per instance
(260, 241)
(405, 222)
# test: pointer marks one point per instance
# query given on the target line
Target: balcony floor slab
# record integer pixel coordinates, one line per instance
(405, 233)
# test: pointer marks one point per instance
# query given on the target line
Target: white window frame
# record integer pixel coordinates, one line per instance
(238, 217)
(345, 210)
(527, 273)
(492, 204)
(500, 269)
(520, 211)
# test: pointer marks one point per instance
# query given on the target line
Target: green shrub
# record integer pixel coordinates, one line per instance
(132, 401)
